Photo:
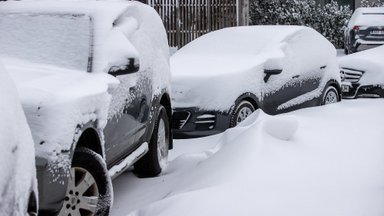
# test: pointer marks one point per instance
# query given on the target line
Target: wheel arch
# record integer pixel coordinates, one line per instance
(250, 97)
(336, 84)
(90, 137)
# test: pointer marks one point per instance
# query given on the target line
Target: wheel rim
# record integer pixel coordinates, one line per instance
(82, 194)
(243, 114)
(330, 97)
(162, 144)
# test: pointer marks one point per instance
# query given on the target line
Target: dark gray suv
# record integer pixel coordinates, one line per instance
(93, 78)
(364, 30)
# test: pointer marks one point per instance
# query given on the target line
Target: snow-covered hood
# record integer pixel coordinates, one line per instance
(369, 61)
(57, 100)
(43, 85)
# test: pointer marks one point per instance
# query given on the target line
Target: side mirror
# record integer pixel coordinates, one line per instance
(132, 67)
(272, 66)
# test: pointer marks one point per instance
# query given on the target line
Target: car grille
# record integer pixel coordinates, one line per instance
(180, 118)
(350, 75)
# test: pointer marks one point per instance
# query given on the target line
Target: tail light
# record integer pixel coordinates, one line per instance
(356, 28)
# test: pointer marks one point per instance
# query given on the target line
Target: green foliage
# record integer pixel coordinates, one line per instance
(328, 20)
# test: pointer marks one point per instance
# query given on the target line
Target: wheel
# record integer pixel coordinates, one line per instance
(241, 112)
(156, 159)
(89, 186)
(330, 96)
(346, 51)
(32, 205)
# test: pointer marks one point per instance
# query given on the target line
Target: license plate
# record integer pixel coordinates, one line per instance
(345, 88)
(377, 32)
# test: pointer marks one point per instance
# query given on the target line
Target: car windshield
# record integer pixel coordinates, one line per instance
(370, 19)
(61, 40)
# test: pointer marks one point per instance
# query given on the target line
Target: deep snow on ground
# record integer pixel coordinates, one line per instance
(318, 161)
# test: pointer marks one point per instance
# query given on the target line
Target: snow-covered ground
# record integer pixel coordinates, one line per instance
(318, 161)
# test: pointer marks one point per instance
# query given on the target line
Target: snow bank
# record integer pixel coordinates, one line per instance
(17, 160)
(370, 61)
(215, 69)
(315, 172)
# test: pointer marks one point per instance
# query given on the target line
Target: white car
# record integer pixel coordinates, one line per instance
(18, 187)
(222, 77)
(362, 74)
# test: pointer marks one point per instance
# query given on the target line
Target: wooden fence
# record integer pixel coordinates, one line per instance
(186, 20)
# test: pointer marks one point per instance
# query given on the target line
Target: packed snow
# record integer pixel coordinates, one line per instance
(324, 160)
(214, 70)
(17, 158)
(370, 61)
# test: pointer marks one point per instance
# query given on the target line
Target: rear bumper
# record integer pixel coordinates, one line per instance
(364, 91)
(361, 44)
(52, 185)
(193, 122)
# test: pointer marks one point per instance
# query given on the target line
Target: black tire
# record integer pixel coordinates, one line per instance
(94, 164)
(346, 52)
(237, 111)
(332, 93)
(32, 204)
(149, 165)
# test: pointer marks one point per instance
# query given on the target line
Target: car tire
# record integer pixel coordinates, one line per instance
(346, 52)
(32, 204)
(330, 95)
(89, 186)
(156, 159)
(241, 111)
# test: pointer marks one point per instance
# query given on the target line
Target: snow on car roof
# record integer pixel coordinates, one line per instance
(373, 16)
(103, 15)
(109, 10)
(244, 39)
(231, 47)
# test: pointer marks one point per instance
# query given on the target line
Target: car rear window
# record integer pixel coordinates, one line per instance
(56, 39)
(370, 19)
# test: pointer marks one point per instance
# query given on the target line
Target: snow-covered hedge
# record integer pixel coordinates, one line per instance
(376, 3)
(328, 20)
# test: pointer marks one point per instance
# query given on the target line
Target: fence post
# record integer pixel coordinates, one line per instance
(178, 23)
(209, 18)
(242, 12)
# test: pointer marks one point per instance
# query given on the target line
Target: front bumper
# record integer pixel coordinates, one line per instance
(355, 90)
(52, 185)
(193, 122)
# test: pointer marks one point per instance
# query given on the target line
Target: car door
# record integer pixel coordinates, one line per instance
(122, 125)
(280, 88)
(144, 97)
(123, 115)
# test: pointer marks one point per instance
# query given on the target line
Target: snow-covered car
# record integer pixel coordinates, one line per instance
(18, 184)
(94, 82)
(364, 30)
(222, 77)
(362, 74)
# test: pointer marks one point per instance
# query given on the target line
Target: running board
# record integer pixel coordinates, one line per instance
(119, 168)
